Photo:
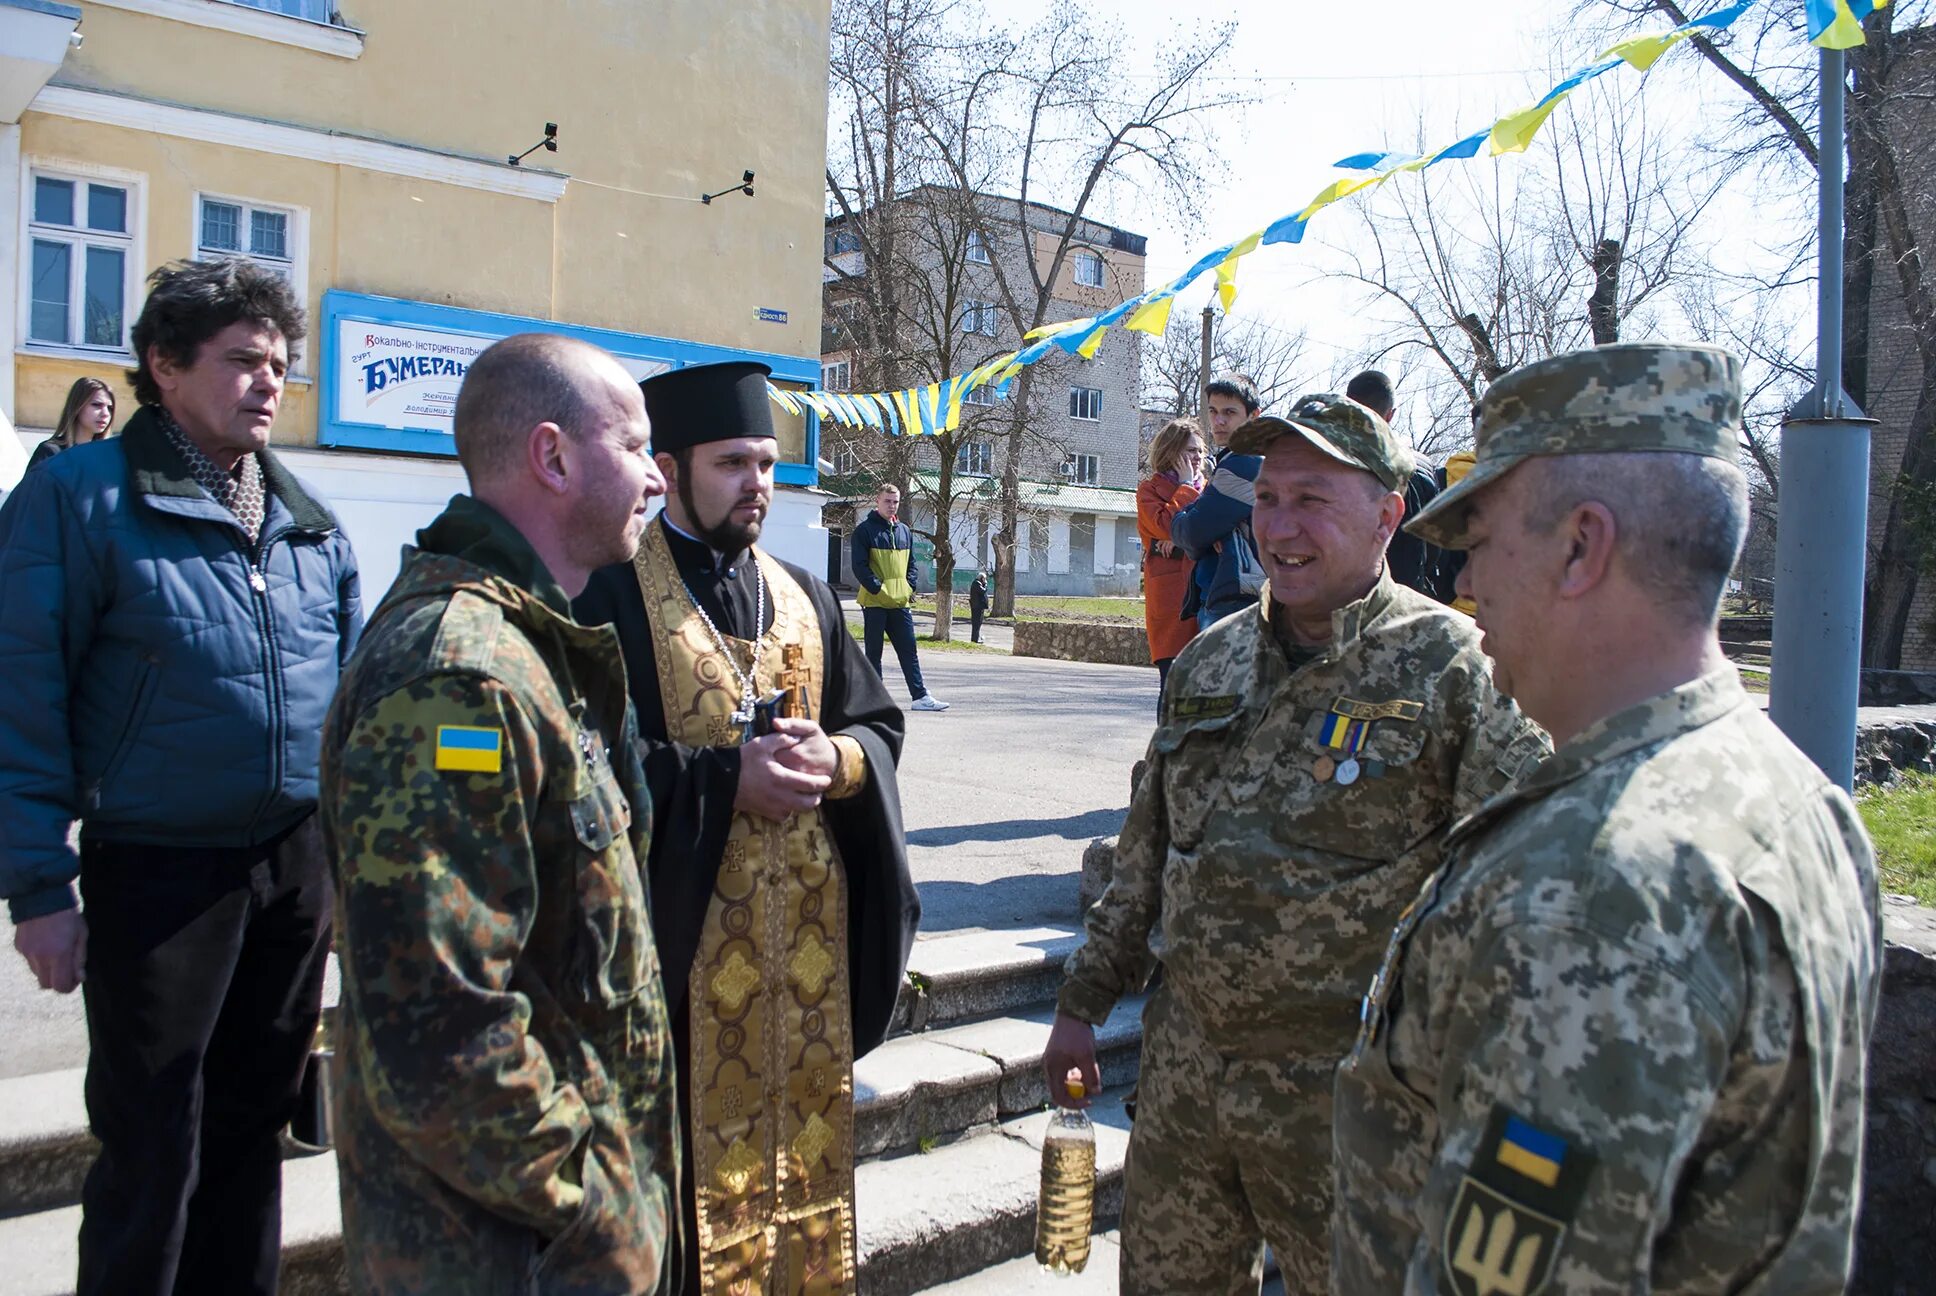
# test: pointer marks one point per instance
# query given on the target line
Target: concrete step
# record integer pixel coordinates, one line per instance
(911, 1091)
(925, 1218)
(41, 1249)
(917, 1089)
(936, 1217)
(904, 1094)
(978, 974)
(1101, 1277)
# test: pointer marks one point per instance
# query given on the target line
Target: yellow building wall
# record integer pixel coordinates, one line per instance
(655, 103)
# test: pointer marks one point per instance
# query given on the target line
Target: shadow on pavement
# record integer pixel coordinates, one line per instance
(1025, 900)
(1076, 827)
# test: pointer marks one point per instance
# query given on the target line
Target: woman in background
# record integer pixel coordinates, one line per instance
(88, 415)
(1175, 480)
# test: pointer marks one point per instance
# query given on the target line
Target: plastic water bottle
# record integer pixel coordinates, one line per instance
(1066, 1211)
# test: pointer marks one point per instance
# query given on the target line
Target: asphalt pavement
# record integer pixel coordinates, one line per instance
(1001, 792)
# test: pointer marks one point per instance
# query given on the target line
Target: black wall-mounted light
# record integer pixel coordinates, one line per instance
(744, 186)
(549, 144)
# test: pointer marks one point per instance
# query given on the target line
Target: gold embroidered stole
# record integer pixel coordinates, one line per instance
(772, 1039)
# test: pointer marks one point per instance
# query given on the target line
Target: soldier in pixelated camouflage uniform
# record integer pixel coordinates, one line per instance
(1618, 1042)
(1311, 755)
(505, 1118)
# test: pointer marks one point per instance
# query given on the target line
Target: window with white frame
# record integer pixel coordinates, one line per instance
(844, 458)
(80, 261)
(835, 375)
(978, 317)
(1082, 469)
(982, 395)
(1085, 403)
(226, 227)
(313, 10)
(976, 459)
(977, 248)
(1088, 269)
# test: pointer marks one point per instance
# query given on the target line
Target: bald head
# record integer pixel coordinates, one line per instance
(521, 382)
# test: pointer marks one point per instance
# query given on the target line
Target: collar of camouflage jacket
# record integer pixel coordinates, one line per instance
(1348, 624)
(1692, 705)
(474, 533)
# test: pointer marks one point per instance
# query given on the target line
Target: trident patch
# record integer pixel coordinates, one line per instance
(1510, 1216)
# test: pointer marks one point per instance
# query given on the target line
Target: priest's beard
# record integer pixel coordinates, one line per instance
(724, 536)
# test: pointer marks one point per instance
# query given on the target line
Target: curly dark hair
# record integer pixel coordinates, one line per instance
(189, 302)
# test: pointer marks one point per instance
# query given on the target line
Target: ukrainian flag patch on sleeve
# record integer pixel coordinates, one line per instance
(1513, 1209)
(471, 748)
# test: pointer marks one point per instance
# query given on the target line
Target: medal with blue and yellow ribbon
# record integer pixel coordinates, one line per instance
(1346, 736)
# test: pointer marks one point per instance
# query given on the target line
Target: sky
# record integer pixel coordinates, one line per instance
(1331, 80)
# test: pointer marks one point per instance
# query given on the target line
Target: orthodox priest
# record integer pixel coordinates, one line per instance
(779, 886)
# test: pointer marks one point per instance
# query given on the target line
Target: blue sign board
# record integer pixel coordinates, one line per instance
(391, 370)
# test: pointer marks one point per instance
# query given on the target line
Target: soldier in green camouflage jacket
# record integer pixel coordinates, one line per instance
(505, 1118)
(1311, 755)
(1618, 1043)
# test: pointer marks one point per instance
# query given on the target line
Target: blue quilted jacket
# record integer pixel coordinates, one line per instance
(164, 682)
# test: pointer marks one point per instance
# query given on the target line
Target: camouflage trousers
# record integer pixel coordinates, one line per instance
(1226, 1155)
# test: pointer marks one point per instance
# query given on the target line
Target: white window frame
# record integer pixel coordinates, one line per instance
(1083, 469)
(844, 458)
(297, 263)
(1083, 399)
(977, 251)
(246, 19)
(134, 260)
(978, 318)
(1084, 257)
(983, 394)
(836, 375)
(970, 453)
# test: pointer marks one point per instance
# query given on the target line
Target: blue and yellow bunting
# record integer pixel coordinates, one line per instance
(924, 411)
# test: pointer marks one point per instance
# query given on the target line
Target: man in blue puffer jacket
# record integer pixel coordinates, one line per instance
(175, 608)
(1215, 530)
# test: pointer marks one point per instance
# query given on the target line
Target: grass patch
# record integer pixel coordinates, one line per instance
(1037, 607)
(1902, 820)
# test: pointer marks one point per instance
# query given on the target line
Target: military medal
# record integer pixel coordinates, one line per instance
(1322, 767)
(1347, 737)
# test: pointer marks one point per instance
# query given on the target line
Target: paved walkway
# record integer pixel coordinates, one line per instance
(1001, 794)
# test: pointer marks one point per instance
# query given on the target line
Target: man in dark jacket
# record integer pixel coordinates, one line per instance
(1215, 530)
(1414, 563)
(175, 608)
(977, 605)
(882, 547)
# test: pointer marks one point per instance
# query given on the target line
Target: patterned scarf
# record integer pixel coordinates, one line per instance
(240, 491)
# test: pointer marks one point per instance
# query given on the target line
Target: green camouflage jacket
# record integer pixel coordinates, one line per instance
(505, 1111)
(1273, 874)
(1619, 1044)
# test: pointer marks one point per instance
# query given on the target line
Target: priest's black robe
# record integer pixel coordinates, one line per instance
(693, 787)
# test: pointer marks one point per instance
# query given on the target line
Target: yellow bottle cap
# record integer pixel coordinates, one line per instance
(1075, 1087)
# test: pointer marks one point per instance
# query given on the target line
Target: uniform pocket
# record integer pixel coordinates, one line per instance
(1197, 756)
(613, 932)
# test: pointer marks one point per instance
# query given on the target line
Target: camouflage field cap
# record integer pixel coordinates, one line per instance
(1339, 426)
(1679, 399)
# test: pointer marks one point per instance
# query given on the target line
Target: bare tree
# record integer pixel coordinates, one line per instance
(1478, 270)
(1079, 133)
(896, 266)
(1271, 355)
(1891, 218)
